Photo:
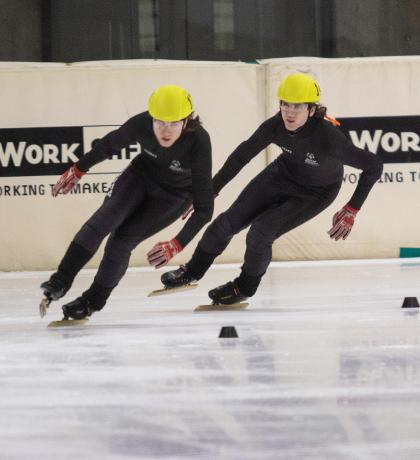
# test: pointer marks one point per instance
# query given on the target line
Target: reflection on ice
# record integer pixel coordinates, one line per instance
(326, 366)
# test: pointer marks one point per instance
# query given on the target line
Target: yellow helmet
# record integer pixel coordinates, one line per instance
(170, 103)
(299, 88)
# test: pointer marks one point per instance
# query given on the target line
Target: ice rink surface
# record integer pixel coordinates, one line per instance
(326, 367)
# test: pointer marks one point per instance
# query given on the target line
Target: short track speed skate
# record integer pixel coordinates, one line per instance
(43, 306)
(76, 313)
(167, 290)
(53, 289)
(225, 297)
(175, 281)
(222, 307)
(68, 322)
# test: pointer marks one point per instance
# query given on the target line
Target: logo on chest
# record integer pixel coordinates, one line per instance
(311, 160)
(176, 166)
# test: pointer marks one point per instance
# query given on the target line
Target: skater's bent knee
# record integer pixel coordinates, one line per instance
(260, 236)
(224, 225)
(119, 247)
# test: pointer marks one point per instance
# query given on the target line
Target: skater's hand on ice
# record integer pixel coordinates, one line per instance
(67, 181)
(163, 252)
(343, 222)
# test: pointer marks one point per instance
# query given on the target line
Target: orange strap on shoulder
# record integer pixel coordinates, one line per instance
(332, 120)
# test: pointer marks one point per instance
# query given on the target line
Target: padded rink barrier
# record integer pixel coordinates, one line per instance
(382, 97)
(56, 110)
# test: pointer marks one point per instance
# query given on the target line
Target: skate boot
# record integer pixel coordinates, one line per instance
(78, 309)
(227, 294)
(177, 278)
(54, 288)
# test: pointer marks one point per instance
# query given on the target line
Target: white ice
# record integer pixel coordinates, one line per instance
(326, 367)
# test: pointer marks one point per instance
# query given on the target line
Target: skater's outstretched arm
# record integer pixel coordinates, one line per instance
(203, 204)
(371, 166)
(104, 148)
(244, 153)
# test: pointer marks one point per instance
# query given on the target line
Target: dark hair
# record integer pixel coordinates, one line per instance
(193, 122)
(320, 110)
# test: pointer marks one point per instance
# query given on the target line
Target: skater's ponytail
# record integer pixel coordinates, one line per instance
(193, 122)
(320, 110)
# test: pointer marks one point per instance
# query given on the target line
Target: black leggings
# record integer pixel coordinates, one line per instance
(272, 204)
(135, 209)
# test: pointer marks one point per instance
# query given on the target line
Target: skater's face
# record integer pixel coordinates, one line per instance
(167, 132)
(295, 115)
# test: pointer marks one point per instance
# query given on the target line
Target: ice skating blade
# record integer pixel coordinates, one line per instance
(172, 290)
(221, 307)
(43, 306)
(68, 322)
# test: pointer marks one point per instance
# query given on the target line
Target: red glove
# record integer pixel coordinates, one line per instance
(162, 253)
(343, 222)
(67, 181)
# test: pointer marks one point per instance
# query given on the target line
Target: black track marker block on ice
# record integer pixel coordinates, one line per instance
(228, 332)
(410, 302)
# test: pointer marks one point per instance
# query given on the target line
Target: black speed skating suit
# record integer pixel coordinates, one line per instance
(150, 194)
(303, 181)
